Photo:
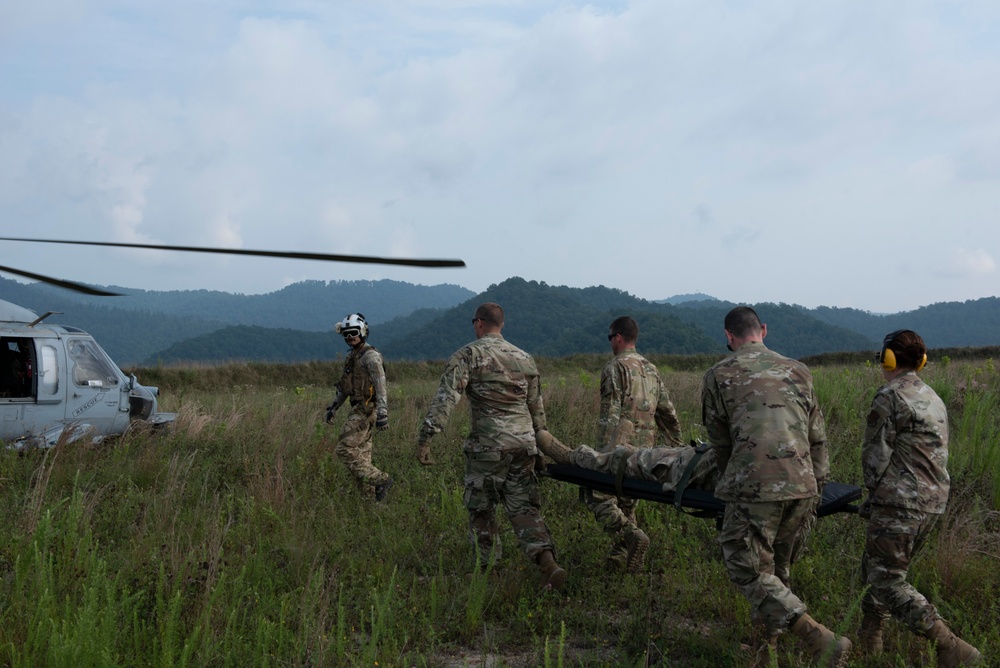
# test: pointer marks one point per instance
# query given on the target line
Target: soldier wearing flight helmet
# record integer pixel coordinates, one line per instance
(363, 384)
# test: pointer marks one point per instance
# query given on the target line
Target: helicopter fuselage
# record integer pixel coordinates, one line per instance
(57, 382)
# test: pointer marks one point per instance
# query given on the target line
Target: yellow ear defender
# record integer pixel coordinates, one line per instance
(888, 358)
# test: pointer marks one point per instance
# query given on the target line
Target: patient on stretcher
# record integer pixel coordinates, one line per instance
(665, 465)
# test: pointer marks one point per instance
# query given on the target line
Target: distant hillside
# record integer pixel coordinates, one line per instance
(549, 321)
(135, 327)
(258, 344)
(557, 321)
(791, 330)
(943, 325)
(687, 298)
(309, 305)
(127, 336)
(431, 322)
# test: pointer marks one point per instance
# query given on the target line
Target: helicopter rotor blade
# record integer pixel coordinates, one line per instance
(69, 285)
(295, 255)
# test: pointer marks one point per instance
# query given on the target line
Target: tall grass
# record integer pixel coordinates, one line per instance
(238, 539)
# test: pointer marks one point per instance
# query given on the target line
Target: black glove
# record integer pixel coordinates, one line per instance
(331, 410)
(865, 509)
(382, 422)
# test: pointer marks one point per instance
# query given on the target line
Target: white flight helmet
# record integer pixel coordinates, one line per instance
(352, 325)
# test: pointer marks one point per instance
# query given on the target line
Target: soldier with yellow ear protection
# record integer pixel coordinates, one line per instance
(887, 357)
(904, 460)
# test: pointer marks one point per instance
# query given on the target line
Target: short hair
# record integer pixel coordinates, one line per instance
(627, 327)
(742, 321)
(908, 348)
(491, 313)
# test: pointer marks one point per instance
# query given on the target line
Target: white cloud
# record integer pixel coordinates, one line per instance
(965, 263)
(568, 139)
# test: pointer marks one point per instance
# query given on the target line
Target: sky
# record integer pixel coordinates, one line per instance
(816, 153)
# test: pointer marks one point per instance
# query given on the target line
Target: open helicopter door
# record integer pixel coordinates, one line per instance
(17, 385)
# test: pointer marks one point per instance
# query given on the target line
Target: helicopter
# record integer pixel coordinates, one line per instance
(57, 385)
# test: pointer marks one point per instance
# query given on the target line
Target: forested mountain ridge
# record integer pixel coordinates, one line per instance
(546, 320)
(127, 336)
(309, 305)
(556, 321)
(972, 323)
(135, 327)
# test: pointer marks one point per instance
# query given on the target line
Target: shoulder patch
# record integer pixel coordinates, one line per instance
(873, 418)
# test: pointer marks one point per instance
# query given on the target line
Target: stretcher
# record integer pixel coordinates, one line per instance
(837, 497)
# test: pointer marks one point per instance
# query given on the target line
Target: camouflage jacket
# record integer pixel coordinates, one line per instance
(905, 455)
(503, 387)
(764, 422)
(363, 381)
(631, 389)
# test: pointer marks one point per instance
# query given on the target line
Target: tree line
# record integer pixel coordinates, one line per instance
(430, 322)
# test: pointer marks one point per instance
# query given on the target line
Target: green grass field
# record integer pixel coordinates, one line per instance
(238, 539)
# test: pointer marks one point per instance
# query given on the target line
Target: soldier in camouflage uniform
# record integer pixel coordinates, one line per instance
(363, 383)
(503, 387)
(765, 424)
(904, 460)
(631, 393)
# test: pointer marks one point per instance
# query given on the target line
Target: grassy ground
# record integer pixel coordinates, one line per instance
(238, 539)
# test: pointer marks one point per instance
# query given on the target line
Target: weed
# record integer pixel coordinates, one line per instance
(238, 539)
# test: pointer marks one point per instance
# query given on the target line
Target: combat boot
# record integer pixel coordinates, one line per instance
(952, 651)
(553, 576)
(637, 543)
(551, 446)
(828, 649)
(382, 489)
(870, 634)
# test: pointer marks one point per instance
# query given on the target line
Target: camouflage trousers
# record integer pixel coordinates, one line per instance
(894, 537)
(506, 478)
(354, 448)
(615, 514)
(760, 542)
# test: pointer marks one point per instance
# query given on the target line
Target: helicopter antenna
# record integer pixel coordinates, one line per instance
(40, 318)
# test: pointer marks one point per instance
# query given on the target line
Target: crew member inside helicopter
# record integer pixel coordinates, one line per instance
(15, 368)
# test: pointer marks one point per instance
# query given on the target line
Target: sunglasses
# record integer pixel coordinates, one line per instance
(351, 333)
(612, 336)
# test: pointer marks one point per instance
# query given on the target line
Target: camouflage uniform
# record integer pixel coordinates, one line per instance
(363, 381)
(665, 465)
(631, 390)
(765, 425)
(904, 460)
(503, 387)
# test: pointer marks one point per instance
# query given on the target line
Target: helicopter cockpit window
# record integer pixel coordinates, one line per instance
(16, 367)
(90, 367)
